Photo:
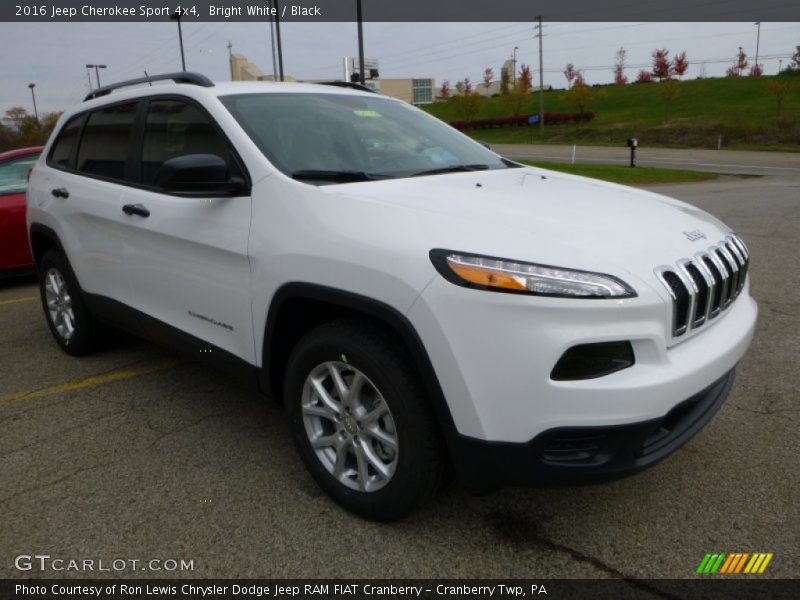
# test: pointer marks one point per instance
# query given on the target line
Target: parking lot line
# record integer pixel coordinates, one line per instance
(93, 381)
(15, 300)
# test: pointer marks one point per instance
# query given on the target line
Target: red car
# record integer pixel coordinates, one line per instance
(15, 252)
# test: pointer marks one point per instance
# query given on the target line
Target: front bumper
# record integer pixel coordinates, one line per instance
(585, 454)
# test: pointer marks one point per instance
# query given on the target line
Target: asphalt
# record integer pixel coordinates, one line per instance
(137, 454)
(730, 162)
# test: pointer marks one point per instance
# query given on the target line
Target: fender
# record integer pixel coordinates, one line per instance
(349, 303)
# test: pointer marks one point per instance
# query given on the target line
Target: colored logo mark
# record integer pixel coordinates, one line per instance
(735, 562)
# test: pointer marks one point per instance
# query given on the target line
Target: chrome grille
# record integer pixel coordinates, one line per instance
(704, 286)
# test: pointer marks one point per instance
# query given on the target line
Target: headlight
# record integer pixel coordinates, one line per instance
(502, 275)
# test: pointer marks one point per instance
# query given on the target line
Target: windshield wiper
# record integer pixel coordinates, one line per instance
(452, 169)
(340, 176)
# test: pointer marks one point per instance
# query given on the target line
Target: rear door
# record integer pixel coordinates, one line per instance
(186, 257)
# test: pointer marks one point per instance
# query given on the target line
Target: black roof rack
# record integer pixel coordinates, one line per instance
(184, 77)
(349, 84)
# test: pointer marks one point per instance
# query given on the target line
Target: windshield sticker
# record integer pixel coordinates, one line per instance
(367, 113)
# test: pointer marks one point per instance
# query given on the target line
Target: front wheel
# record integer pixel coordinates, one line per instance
(361, 420)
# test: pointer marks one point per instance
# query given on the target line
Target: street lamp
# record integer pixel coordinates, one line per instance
(96, 71)
(515, 64)
(176, 16)
(360, 20)
(33, 95)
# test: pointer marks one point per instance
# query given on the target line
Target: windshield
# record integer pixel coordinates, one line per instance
(335, 138)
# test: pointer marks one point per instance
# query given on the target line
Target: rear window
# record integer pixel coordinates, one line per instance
(106, 141)
(64, 146)
(14, 174)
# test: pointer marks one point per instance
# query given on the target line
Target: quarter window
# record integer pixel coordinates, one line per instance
(14, 174)
(106, 141)
(63, 148)
(175, 128)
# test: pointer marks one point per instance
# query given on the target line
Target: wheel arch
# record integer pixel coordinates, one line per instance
(296, 308)
(42, 240)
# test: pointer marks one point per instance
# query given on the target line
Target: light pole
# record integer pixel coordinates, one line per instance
(360, 43)
(758, 40)
(515, 65)
(96, 71)
(89, 76)
(176, 16)
(33, 95)
(278, 39)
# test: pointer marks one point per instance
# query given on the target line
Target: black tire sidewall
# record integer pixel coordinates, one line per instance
(419, 461)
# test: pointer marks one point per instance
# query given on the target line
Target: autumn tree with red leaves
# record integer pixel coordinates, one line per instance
(619, 67)
(444, 91)
(644, 77)
(662, 65)
(488, 77)
(525, 78)
(680, 64)
(570, 73)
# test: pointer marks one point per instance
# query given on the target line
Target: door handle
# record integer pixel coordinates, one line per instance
(60, 192)
(136, 209)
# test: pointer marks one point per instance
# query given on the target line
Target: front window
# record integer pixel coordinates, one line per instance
(333, 138)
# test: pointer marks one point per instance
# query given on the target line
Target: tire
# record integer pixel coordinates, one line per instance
(65, 311)
(390, 426)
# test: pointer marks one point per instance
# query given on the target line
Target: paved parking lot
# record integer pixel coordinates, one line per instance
(135, 453)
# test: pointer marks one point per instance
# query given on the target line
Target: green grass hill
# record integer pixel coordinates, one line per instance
(690, 114)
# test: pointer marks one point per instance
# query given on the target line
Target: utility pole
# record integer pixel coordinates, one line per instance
(230, 57)
(758, 40)
(272, 45)
(278, 39)
(176, 16)
(541, 77)
(362, 78)
(33, 95)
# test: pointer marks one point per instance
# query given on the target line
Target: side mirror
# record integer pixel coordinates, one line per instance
(198, 175)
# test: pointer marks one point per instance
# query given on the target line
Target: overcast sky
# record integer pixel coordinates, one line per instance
(54, 55)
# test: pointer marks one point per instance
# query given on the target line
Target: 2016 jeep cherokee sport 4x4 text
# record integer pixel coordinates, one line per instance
(411, 297)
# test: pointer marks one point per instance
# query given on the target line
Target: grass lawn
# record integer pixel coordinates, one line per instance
(740, 109)
(625, 174)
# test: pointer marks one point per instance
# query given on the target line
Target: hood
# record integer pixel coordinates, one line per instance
(550, 218)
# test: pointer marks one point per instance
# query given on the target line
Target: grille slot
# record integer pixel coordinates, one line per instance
(704, 286)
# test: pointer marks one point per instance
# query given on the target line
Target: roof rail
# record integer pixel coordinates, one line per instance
(348, 84)
(182, 77)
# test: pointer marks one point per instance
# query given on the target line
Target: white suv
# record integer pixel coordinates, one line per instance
(412, 298)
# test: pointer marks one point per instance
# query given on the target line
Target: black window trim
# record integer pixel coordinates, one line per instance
(134, 156)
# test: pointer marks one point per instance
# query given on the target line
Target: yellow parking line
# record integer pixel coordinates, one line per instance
(15, 300)
(89, 382)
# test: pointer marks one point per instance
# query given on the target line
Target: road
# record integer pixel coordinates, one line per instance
(730, 162)
(137, 454)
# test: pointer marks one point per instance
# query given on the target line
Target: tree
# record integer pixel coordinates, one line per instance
(459, 87)
(525, 77)
(582, 96)
(739, 66)
(514, 101)
(488, 77)
(670, 90)
(756, 71)
(680, 64)
(662, 65)
(570, 73)
(619, 67)
(467, 85)
(779, 89)
(22, 129)
(579, 79)
(467, 105)
(444, 91)
(794, 65)
(644, 77)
